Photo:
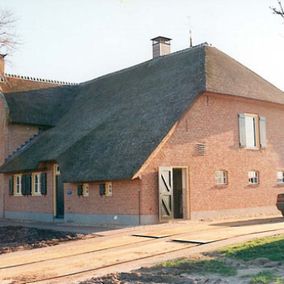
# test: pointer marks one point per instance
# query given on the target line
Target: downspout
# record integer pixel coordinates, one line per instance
(4, 202)
(139, 206)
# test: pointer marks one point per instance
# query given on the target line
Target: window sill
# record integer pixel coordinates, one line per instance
(36, 194)
(17, 194)
(253, 149)
(220, 186)
(253, 185)
(280, 184)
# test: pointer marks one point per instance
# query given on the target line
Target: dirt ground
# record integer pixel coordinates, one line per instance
(125, 251)
(260, 271)
(15, 238)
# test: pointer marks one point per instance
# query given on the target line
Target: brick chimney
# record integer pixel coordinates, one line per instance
(161, 46)
(2, 64)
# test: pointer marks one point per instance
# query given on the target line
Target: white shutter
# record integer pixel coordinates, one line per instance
(242, 130)
(262, 132)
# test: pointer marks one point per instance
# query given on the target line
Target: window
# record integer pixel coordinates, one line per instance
(252, 131)
(280, 177)
(18, 184)
(253, 177)
(83, 189)
(36, 183)
(221, 177)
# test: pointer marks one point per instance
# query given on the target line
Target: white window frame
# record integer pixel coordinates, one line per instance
(255, 118)
(221, 177)
(280, 180)
(18, 185)
(36, 185)
(253, 177)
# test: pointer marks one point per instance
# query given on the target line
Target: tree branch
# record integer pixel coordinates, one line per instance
(8, 37)
(279, 10)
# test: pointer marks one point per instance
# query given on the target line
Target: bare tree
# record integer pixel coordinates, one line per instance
(8, 37)
(278, 10)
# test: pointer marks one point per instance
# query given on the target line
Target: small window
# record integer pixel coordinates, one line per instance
(221, 177)
(83, 189)
(36, 180)
(18, 184)
(102, 189)
(280, 177)
(253, 177)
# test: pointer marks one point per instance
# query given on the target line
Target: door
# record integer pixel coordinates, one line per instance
(178, 193)
(59, 195)
(165, 193)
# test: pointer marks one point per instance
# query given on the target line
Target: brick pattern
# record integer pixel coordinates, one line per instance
(124, 199)
(213, 120)
(29, 203)
(18, 84)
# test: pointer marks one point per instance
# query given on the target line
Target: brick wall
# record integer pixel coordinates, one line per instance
(124, 199)
(12, 136)
(213, 120)
(29, 203)
(20, 84)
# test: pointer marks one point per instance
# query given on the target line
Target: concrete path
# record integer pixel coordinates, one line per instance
(117, 250)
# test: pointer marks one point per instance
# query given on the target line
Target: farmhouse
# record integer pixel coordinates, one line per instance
(192, 134)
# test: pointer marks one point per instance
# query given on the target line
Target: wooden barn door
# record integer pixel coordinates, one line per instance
(165, 193)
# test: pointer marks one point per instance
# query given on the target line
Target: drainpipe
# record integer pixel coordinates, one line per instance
(139, 205)
(4, 197)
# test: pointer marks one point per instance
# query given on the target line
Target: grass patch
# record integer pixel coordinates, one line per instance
(270, 247)
(201, 266)
(266, 278)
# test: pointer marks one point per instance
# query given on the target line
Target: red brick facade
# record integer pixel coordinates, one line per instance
(124, 199)
(13, 83)
(213, 121)
(32, 204)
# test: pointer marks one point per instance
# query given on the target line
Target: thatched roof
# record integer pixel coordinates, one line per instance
(225, 75)
(43, 107)
(116, 121)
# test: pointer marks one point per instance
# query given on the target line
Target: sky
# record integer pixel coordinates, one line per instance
(78, 40)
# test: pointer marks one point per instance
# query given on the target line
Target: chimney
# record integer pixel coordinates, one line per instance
(2, 64)
(161, 46)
